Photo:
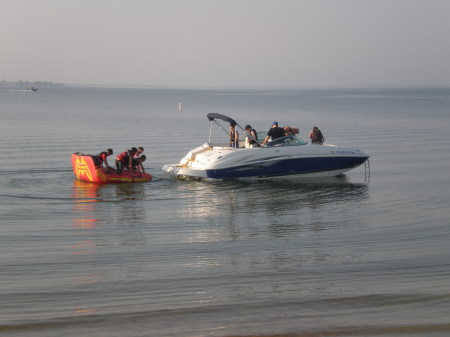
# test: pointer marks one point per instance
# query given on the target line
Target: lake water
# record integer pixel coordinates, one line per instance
(339, 257)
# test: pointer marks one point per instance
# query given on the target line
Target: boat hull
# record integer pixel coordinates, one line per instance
(290, 163)
(86, 169)
(290, 168)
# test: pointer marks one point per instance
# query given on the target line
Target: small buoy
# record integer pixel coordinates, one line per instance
(180, 107)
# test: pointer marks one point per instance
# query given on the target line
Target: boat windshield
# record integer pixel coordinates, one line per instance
(290, 140)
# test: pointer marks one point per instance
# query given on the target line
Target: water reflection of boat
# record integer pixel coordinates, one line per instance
(86, 168)
(86, 193)
(91, 206)
(286, 158)
(236, 211)
(84, 197)
(233, 197)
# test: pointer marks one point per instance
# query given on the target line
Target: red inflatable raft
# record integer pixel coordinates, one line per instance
(86, 168)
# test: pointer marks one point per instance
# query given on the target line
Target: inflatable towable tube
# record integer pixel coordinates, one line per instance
(87, 168)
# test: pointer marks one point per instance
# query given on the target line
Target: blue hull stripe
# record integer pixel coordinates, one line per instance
(287, 167)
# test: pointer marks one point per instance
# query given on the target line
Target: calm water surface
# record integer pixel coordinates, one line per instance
(336, 257)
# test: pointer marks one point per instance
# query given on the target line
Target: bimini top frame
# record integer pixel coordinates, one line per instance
(212, 118)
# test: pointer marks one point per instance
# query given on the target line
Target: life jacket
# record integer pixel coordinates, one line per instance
(253, 140)
(101, 156)
(124, 156)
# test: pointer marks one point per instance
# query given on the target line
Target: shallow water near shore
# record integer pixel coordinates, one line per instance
(345, 256)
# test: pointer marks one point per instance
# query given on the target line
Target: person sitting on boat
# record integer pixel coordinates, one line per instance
(252, 138)
(137, 163)
(316, 136)
(274, 133)
(140, 150)
(102, 158)
(125, 160)
(234, 137)
(287, 130)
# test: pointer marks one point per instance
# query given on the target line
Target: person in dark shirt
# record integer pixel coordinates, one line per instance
(316, 136)
(137, 163)
(274, 133)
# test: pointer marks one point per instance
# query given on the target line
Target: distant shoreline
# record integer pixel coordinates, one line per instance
(18, 85)
(24, 84)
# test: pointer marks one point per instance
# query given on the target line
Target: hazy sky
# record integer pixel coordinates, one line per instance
(226, 42)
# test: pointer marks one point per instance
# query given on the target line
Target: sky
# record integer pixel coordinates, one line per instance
(216, 43)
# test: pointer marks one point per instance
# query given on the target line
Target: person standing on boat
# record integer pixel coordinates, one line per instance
(234, 137)
(252, 139)
(316, 136)
(125, 160)
(274, 133)
(102, 158)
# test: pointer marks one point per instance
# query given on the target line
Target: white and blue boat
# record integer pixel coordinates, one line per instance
(286, 158)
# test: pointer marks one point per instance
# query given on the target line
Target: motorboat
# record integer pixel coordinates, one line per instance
(285, 158)
(31, 88)
(88, 168)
